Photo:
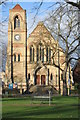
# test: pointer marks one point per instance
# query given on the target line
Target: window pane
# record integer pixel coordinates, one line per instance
(18, 57)
(42, 55)
(30, 54)
(40, 52)
(47, 54)
(37, 55)
(51, 76)
(14, 58)
(18, 23)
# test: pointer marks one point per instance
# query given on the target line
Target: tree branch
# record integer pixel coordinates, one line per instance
(73, 49)
(73, 4)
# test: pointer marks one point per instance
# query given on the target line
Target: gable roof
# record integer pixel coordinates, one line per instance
(41, 24)
(17, 7)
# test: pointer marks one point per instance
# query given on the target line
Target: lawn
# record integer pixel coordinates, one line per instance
(61, 107)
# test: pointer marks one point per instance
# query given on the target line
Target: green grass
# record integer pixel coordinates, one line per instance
(61, 107)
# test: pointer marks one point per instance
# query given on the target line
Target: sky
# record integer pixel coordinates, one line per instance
(30, 12)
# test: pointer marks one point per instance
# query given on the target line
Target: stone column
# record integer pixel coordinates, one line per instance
(40, 79)
(46, 79)
(44, 55)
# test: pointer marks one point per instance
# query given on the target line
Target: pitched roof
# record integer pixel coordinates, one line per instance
(17, 7)
(41, 25)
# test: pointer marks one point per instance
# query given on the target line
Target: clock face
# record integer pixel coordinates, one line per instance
(17, 37)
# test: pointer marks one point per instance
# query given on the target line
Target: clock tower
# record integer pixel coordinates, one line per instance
(17, 45)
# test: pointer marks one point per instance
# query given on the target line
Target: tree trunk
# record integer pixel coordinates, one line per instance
(65, 91)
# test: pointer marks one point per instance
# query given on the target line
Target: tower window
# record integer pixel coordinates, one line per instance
(14, 58)
(18, 57)
(16, 22)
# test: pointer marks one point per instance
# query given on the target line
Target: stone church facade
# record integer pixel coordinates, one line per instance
(32, 57)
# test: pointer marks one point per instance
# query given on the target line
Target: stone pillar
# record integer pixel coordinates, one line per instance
(40, 79)
(34, 79)
(44, 55)
(46, 80)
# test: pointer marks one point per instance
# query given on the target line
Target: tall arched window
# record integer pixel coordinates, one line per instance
(14, 57)
(18, 57)
(51, 76)
(43, 55)
(37, 54)
(40, 53)
(16, 22)
(31, 54)
(48, 55)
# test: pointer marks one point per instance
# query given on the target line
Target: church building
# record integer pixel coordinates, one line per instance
(32, 58)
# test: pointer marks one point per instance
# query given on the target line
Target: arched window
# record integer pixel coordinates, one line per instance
(43, 55)
(37, 54)
(51, 76)
(40, 53)
(16, 22)
(48, 55)
(31, 54)
(18, 57)
(14, 57)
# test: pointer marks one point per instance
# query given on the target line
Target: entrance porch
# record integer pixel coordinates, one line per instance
(40, 80)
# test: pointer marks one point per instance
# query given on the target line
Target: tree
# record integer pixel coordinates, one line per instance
(67, 36)
(54, 23)
(77, 4)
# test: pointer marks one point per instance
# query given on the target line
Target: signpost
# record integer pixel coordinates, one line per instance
(49, 98)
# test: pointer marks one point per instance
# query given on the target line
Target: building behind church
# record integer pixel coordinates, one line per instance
(33, 56)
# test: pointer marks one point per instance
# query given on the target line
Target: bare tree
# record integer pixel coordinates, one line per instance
(63, 24)
(77, 4)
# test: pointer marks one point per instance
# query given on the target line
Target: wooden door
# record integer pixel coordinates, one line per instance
(38, 79)
(42, 79)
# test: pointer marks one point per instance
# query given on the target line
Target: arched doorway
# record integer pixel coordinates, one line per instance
(40, 76)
